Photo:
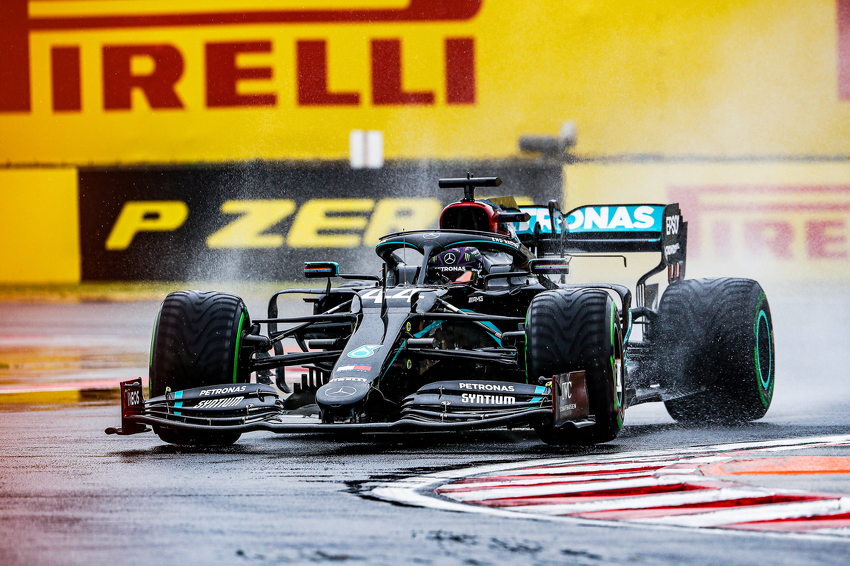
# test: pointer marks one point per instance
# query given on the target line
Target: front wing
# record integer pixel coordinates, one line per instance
(253, 407)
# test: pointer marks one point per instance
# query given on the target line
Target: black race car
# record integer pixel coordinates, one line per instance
(468, 327)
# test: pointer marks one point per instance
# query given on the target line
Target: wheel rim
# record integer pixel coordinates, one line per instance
(764, 357)
(617, 367)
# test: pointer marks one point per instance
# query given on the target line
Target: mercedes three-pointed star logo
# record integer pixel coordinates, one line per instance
(341, 391)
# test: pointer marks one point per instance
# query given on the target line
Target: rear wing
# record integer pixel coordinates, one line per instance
(626, 228)
(610, 229)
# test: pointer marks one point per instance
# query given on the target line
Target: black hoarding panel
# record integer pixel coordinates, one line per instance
(262, 220)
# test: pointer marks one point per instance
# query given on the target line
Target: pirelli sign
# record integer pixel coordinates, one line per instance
(186, 81)
(791, 224)
(160, 81)
(771, 221)
(154, 68)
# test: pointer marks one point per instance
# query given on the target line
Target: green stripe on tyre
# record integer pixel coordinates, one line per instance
(153, 336)
(765, 386)
(238, 345)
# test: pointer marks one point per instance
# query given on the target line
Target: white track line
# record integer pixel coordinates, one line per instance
(496, 483)
(774, 512)
(569, 488)
(646, 501)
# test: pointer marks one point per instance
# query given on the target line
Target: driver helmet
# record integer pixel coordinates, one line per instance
(458, 265)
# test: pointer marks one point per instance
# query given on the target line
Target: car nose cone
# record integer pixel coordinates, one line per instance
(337, 393)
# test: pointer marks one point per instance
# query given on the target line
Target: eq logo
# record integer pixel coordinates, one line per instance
(781, 224)
(366, 351)
(158, 69)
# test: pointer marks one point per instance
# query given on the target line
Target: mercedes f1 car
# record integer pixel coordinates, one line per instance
(468, 326)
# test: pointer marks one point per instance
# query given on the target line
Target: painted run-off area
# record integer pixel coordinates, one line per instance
(757, 486)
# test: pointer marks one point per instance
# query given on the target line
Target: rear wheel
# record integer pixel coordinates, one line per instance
(574, 330)
(196, 342)
(715, 350)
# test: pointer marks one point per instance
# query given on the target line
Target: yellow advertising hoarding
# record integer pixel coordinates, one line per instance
(39, 234)
(141, 81)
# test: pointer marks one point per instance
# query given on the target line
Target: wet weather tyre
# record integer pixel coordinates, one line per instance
(575, 330)
(715, 339)
(196, 342)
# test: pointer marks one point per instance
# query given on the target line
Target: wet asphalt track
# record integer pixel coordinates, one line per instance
(71, 495)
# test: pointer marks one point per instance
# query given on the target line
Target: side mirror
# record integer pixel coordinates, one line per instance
(550, 266)
(316, 269)
(513, 216)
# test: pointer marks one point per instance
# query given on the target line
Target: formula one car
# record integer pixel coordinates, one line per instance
(467, 327)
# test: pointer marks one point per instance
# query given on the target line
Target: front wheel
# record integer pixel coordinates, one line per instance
(715, 350)
(575, 330)
(196, 342)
